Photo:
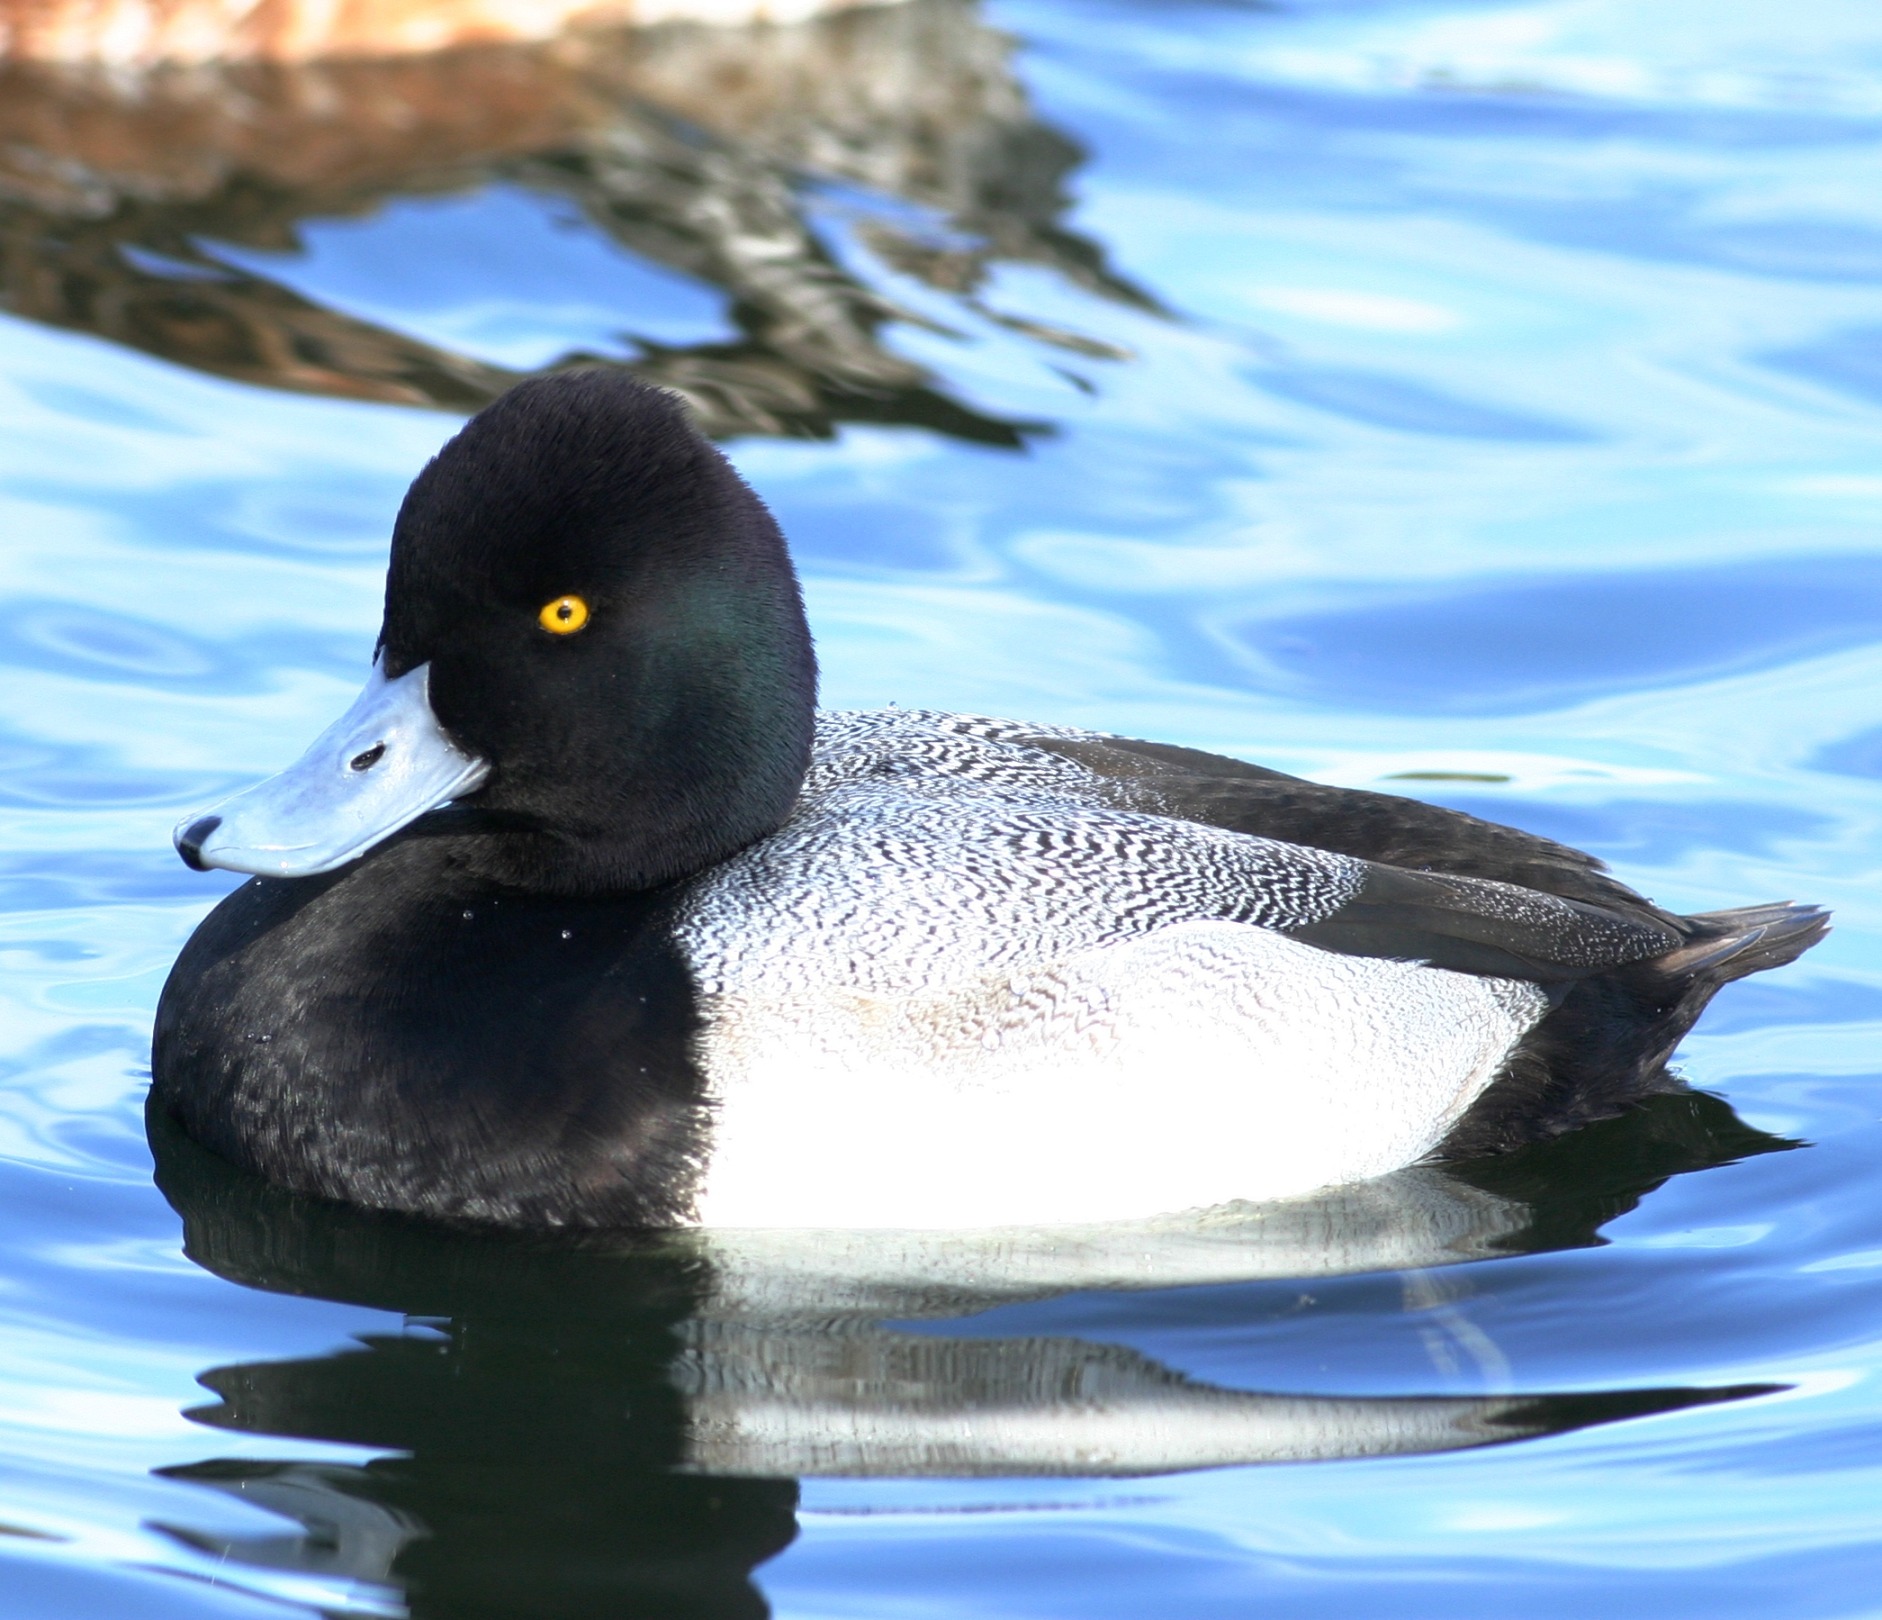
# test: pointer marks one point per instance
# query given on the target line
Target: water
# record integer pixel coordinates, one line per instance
(1478, 400)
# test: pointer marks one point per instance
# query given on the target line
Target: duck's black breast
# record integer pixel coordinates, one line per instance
(407, 1035)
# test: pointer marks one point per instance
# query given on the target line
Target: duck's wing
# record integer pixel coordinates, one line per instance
(1160, 834)
(1482, 926)
(1190, 785)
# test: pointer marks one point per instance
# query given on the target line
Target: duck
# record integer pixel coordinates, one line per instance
(584, 916)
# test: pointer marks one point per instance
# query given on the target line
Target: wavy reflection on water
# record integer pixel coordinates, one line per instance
(146, 209)
(619, 1423)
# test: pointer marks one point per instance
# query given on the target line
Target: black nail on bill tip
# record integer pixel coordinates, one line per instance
(189, 842)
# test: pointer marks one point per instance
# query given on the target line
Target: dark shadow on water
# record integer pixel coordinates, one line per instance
(615, 1425)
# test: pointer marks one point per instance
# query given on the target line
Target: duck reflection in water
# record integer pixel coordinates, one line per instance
(616, 1424)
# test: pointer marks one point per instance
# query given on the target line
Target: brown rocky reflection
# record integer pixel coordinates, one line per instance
(688, 145)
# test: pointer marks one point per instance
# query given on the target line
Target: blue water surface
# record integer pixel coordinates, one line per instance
(1480, 399)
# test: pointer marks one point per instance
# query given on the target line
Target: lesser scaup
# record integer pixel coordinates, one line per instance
(583, 915)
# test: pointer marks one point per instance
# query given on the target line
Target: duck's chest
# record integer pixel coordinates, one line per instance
(408, 1038)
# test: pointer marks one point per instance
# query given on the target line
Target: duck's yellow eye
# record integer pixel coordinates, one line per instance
(564, 616)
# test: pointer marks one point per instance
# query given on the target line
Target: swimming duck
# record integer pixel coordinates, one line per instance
(583, 915)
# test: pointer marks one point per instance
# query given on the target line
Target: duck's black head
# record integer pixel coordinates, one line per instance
(612, 622)
(598, 623)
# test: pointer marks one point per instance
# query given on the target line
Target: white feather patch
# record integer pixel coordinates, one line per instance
(1204, 1063)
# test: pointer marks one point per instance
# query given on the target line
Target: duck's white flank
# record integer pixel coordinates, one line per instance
(1208, 1062)
(953, 991)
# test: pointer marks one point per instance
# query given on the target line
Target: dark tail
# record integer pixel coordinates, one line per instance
(1607, 1044)
(1728, 945)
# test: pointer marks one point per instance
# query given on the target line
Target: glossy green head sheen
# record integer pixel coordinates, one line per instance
(673, 726)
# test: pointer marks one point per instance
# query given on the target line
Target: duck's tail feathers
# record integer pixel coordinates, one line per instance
(1607, 1043)
(1728, 945)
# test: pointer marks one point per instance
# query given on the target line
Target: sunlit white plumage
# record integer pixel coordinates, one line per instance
(953, 952)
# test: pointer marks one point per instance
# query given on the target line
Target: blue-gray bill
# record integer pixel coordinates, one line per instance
(381, 765)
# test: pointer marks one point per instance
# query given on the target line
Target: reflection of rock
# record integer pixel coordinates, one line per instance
(681, 144)
(139, 33)
(611, 1424)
